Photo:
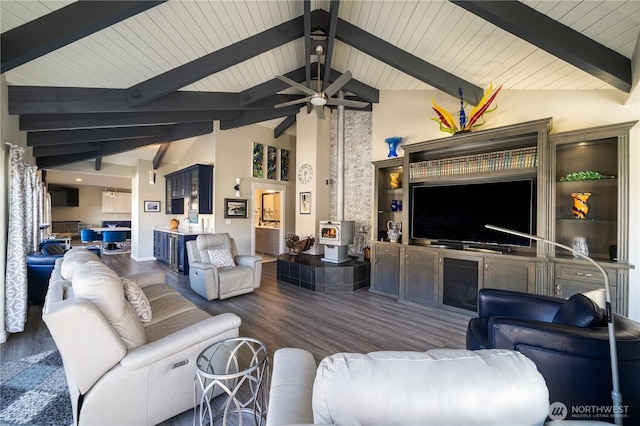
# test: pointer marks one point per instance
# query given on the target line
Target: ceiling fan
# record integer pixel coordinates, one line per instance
(319, 98)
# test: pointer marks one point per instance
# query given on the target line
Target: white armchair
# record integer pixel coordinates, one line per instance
(216, 271)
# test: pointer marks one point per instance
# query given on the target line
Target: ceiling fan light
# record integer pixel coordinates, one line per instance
(318, 101)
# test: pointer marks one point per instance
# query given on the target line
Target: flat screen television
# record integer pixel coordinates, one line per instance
(62, 196)
(458, 213)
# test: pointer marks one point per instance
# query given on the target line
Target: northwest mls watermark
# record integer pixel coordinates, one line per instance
(559, 411)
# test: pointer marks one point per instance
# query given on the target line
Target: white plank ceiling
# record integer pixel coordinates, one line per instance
(439, 32)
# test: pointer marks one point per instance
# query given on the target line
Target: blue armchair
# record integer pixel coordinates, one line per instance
(568, 342)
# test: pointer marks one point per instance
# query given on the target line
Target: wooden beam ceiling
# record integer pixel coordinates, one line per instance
(64, 26)
(555, 38)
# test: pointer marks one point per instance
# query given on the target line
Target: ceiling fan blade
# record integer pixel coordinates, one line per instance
(337, 85)
(296, 85)
(319, 111)
(295, 102)
(347, 103)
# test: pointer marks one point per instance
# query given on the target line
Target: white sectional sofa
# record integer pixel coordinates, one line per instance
(437, 387)
(120, 370)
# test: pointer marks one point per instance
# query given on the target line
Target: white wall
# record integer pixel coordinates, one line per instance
(408, 114)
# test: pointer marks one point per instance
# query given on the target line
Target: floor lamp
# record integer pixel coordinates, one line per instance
(616, 396)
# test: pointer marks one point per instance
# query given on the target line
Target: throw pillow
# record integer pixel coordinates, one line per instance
(579, 311)
(138, 299)
(221, 257)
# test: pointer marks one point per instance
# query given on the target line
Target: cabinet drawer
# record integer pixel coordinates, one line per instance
(587, 274)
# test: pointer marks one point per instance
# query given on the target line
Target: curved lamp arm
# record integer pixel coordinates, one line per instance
(616, 396)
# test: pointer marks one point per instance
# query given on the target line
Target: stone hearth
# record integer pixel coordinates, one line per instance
(310, 272)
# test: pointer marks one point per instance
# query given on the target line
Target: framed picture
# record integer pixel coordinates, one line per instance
(193, 216)
(305, 203)
(152, 206)
(234, 208)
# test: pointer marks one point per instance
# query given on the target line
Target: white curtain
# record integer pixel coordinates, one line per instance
(26, 193)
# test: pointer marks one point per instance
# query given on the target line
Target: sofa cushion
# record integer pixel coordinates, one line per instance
(138, 299)
(453, 386)
(99, 284)
(579, 311)
(73, 259)
(221, 257)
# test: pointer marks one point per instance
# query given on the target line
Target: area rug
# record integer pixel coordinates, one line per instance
(33, 391)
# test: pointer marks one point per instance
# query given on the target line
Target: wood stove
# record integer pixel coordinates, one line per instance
(336, 236)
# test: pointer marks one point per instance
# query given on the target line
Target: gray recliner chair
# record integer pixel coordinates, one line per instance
(216, 271)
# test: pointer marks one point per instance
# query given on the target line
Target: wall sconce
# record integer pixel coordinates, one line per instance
(152, 177)
(237, 187)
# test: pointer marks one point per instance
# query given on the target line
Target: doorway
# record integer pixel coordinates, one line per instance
(268, 219)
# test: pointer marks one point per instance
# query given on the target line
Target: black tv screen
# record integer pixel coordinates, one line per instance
(62, 196)
(459, 213)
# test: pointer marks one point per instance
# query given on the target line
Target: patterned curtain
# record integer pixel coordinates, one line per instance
(25, 195)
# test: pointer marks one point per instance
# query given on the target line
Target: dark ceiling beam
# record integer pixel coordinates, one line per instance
(273, 86)
(181, 131)
(37, 122)
(67, 137)
(157, 159)
(331, 38)
(307, 42)
(212, 63)
(52, 150)
(406, 62)
(555, 38)
(70, 100)
(252, 117)
(283, 126)
(62, 27)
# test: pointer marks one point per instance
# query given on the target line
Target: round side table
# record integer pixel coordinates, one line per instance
(238, 367)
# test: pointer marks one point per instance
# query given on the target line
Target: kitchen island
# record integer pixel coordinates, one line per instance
(169, 246)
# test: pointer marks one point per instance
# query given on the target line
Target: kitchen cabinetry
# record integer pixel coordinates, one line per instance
(116, 202)
(170, 249)
(385, 264)
(193, 184)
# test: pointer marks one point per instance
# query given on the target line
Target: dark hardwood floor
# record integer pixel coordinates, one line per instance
(283, 315)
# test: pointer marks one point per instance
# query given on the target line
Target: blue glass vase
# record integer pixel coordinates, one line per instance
(393, 143)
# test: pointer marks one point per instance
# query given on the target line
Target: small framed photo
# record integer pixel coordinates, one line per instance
(305, 203)
(152, 206)
(234, 208)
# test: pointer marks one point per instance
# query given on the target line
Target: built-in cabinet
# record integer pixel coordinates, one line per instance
(192, 186)
(418, 272)
(116, 202)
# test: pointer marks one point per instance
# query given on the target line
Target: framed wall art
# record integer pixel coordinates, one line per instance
(234, 208)
(305, 203)
(152, 206)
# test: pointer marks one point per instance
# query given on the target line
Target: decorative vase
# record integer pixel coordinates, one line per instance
(394, 180)
(393, 143)
(393, 230)
(580, 245)
(394, 205)
(580, 208)
(174, 224)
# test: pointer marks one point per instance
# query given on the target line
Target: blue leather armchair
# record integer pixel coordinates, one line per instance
(568, 342)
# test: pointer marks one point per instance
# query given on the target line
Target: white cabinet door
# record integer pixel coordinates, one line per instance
(116, 202)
